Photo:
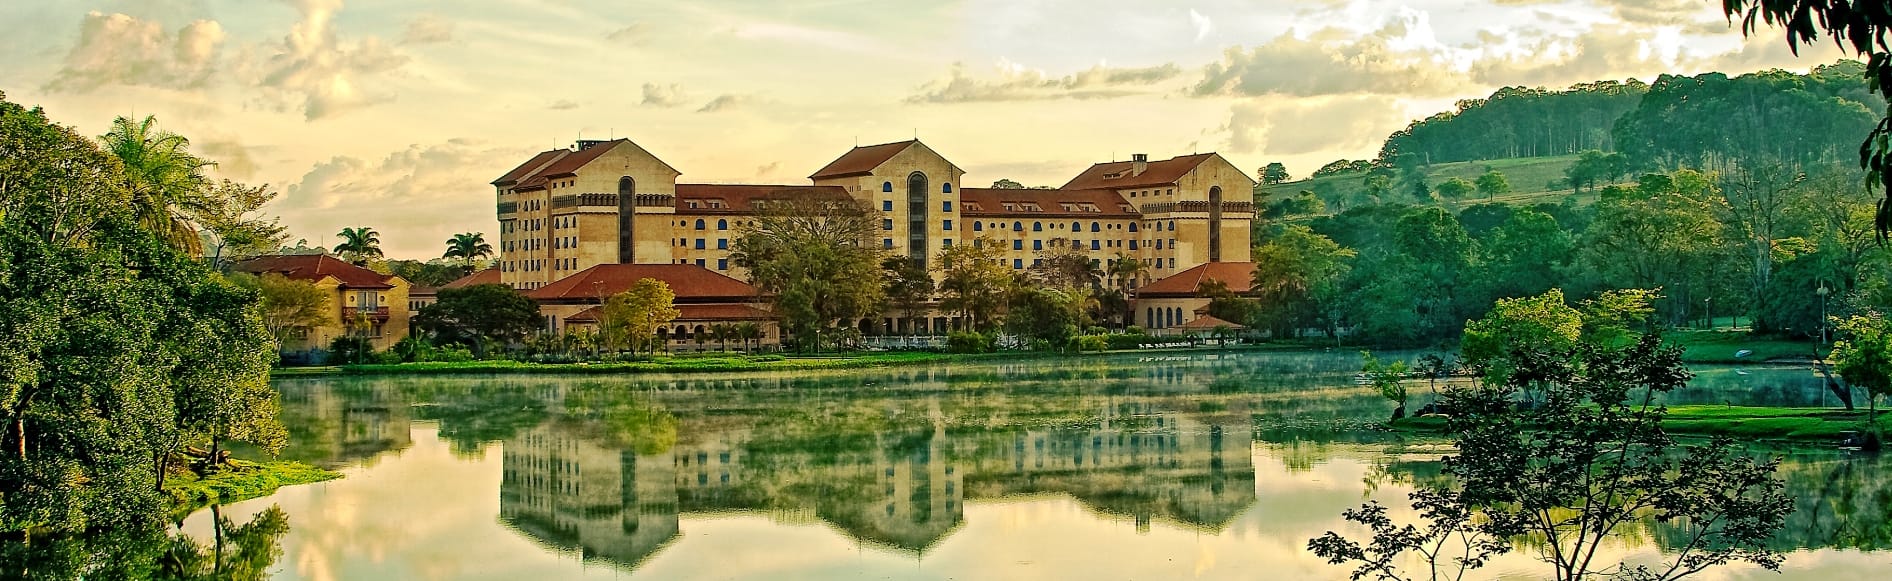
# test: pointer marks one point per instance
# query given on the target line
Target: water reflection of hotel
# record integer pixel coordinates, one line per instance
(902, 490)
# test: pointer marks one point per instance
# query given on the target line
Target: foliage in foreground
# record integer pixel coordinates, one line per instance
(1558, 454)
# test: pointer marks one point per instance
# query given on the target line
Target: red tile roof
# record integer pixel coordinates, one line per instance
(712, 312)
(315, 267)
(991, 202)
(1239, 276)
(739, 199)
(861, 161)
(530, 166)
(1155, 173)
(691, 283)
(1206, 322)
(569, 164)
(485, 276)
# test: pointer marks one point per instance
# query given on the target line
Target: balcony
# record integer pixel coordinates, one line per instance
(376, 314)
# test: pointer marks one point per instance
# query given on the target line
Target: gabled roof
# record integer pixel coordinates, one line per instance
(1239, 276)
(740, 199)
(861, 161)
(1206, 322)
(315, 267)
(484, 276)
(530, 166)
(569, 164)
(984, 202)
(1155, 173)
(690, 283)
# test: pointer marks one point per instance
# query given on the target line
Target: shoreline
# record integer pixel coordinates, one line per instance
(1792, 425)
(245, 480)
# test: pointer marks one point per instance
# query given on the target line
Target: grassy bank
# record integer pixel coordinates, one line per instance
(721, 363)
(1721, 347)
(242, 481)
(1800, 425)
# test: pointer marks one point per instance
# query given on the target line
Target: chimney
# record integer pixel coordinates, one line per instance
(1138, 163)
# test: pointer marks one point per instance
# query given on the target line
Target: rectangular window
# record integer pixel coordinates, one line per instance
(946, 225)
(699, 244)
(1018, 245)
(946, 206)
(1018, 264)
(722, 264)
(946, 243)
(886, 224)
(1172, 263)
(1037, 245)
(886, 242)
(722, 244)
(1133, 245)
(886, 205)
(1094, 245)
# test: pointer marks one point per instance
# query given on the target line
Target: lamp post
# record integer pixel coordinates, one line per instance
(1707, 308)
(1822, 292)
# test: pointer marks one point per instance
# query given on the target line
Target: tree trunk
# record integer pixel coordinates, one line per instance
(1844, 394)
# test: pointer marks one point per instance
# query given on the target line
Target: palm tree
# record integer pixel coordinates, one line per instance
(167, 183)
(723, 332)
(749, 331)
(1126, 269)
(359, 244)
(468, 247)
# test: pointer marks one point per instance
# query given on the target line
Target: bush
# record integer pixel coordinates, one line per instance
(1134, 330)
(1096, 330)
(453, 353)
(766, 358)
(350, 349)
(969, 342)
(1093, 342)
(1125, 341)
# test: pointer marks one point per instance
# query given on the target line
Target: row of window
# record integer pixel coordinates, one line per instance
(944, 188)
(703, 225)
(721, 263)
(702, 243)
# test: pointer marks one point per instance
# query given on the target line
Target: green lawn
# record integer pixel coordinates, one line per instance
(241, 481)
(1822, 425)
(1721, 346)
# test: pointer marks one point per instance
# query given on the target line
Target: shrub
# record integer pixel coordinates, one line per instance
(969, 342)
(454, 353)
(1125, 341)
(350, 349)
(1134, 330)
(1094, 342)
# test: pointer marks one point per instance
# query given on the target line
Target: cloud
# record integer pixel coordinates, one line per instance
(116, 49)
(1201, 23)
(767, 170)
(632, 34)
(1298, 126)
(725, 102)
(670, 95)
(313, 65)
(1017, 83)
(563, 105)
(233, 159)
(430, 185)
(427, 29)
(1332, 61)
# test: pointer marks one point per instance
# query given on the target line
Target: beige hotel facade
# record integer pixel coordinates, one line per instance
(613, 202)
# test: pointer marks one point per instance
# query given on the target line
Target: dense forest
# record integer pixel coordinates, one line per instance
(1717, 195)
(1677, 121)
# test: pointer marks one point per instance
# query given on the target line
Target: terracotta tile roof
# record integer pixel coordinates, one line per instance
(861, 161)
(485, 276)
(991, 202)
(690, 282)
(740, 198)
(530, 166)
(712, 312)
(1239, 276)
(314, 267)
(417, 291)
(1206, 323)
(569, 164)
(1156, 173)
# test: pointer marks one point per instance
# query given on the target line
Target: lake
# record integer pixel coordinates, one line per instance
(1197, 465)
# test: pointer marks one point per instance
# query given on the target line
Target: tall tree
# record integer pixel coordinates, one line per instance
(1273, 173)
(233, 216)
(468, 247)
(1005, 184)
(359, 244)
(290, 307)
(974, 282)
(1297, 277)
(816, 257)
(480, 315)
(1492, 184)
(1456, 189)
(909, 286)
(631, 318)
(167, 182)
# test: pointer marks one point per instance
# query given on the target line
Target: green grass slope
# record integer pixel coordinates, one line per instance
(1533, 180)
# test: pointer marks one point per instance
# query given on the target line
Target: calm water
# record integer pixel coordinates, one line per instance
(1191, 466)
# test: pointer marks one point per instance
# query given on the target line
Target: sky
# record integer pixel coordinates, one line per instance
(396, 114)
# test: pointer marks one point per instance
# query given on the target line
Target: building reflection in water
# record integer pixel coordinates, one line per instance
(904, 489)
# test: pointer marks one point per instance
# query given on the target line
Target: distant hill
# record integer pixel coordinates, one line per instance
(1533, 180)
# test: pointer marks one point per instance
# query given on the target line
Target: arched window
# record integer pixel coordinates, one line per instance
(1037, 226)
(1133, 226)
(722, 224)
(700, 225)
(946, 188)
(916, 218)
(1095, 227)
(1172, 226)
(1215, 224)
(978, 226)
(1077, 227)
(1018, 226)
(627, 219)
(886, 187)
(1149, 316)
